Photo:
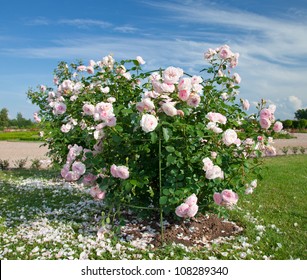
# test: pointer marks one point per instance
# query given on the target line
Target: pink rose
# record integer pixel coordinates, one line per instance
(169, 109)
(185, 84)
(189, 208)
(236, 78)
(214, 155)
(121, 172)
(183, 95)
(55, 80)
(214, 173)
(229, 137)
(71, 176)
(65, 170)
(168, 88)
(90, 69)
(192, 210)
(111, 100)
(226, 198)
(225, 52)
(65, 128)
(245, 104)
(140, 60)
(37, 118)
(81, 68)
(265, 123)
(216, 117)
(196, 80)
(191, 200)
(113, 170)
(229, 197)
(148, 122)
(43, 88)
(148, 104)
(78, 167)
(88, 109)
(237, 142)
(89, 179)
(97, 193)
(105, 90)
(234, 59)
(277, 126)
(270, 151)
(145, 105)
(182, 209)
(217, 197)
(209, 54)
(111, 122)
(266, 114)
(67, 85)
(172, 74)
(208, 164)
(193, 100)
(213, 126)
(59, 108)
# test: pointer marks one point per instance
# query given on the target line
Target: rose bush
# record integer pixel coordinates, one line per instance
(148, 140)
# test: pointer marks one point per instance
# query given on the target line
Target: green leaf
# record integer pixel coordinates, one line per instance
(134, 182)
(116, 138)
(163, 200)
(119, 128)
(166, 191)
(170, 159)
(166, 134)
(170, 149)
(153, 137)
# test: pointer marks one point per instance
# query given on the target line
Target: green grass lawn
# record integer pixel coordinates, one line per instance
(29, 135)
(40, 218)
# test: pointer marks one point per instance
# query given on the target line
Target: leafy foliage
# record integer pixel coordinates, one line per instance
(153, 128)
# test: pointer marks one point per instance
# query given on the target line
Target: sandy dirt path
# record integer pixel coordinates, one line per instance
(13, 151)
(299, 141)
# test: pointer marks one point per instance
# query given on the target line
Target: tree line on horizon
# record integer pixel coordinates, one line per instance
(18, 123)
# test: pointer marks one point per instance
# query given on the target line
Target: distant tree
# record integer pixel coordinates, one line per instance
(301, 114)
(287, 123)
(302, 123)
(295, 124)
(22, 122)
(4, 117)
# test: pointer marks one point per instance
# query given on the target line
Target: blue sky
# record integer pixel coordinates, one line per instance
(271, 37)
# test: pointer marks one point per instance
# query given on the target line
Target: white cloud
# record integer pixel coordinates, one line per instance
(38, 21)
(126, 29)
(295, 102)
(85, 23)
(273, 51)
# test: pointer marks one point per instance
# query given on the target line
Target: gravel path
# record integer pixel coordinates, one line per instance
(13, 151)
(299, 141)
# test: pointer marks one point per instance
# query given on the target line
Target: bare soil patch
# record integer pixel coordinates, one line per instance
(198, 231)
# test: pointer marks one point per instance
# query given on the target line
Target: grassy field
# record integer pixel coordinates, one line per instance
(42, 218)
(29, 135)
